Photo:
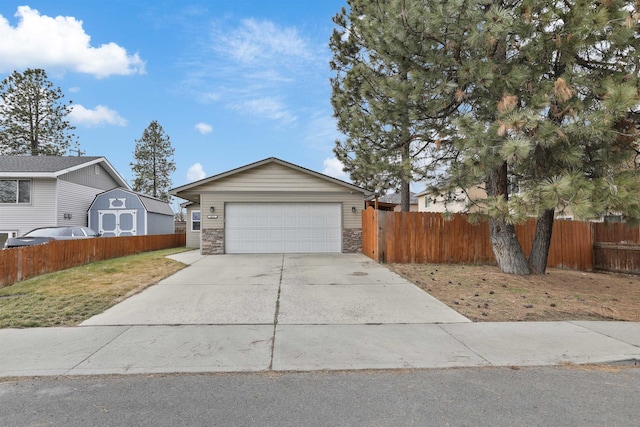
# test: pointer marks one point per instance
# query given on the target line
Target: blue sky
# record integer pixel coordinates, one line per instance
(231, 82)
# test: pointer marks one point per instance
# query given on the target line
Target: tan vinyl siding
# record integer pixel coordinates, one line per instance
(193, 237)
(91, 176)
(274, 183)
(39, 213)
(349, 218)
(272, 177)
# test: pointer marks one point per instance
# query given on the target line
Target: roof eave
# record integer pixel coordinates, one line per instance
(352, 187)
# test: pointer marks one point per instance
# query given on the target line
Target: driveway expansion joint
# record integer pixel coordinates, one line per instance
(275, 316)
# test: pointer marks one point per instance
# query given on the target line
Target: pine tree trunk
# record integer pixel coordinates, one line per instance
(504, 242)
(404, 196)
(507, 249)
(541, 242)
(405, 136)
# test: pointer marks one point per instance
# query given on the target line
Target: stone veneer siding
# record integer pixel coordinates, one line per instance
(351, 240)
(212, 241)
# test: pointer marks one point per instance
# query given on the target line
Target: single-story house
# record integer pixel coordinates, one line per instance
(121, 212)
(44, 191)
(273, 206)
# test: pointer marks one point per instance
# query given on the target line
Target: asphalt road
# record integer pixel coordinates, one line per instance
(571, 396)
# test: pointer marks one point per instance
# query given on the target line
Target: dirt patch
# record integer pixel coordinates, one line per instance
(485, 294)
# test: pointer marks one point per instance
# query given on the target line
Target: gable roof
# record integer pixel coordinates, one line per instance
(352, 187)
(53, 166)
(151, 204)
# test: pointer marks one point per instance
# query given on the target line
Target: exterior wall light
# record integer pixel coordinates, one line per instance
(353, 209)
(212, 209)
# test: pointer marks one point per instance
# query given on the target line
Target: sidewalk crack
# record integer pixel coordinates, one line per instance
(464, 345)
(97, 350)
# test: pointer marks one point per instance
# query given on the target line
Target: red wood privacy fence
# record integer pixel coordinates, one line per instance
(22, 263)
(424, 237)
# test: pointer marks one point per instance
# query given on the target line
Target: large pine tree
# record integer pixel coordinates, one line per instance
(545, 95)
(154, 163)
(33, 116)
(552, 89)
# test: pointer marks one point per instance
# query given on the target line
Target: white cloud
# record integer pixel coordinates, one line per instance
(99, 116)
(61, 42)
(195, 173)
(321, 131)
(74, 89)
(266, 108)
(333, 167)
(204, 128)
(256, 40)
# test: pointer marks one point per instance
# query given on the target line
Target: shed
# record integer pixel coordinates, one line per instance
(120, 212)
(273, 206)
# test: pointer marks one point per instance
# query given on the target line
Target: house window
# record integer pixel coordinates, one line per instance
(195, 220)
(4, 235)
(15, 191)
(427, 201)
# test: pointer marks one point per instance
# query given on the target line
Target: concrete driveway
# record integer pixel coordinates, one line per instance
(297, 313)
(282, 289)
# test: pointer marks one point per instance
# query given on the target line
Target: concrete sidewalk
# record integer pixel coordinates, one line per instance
(298, 313)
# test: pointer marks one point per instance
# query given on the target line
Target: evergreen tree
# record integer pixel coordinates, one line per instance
(154, 163)
(33, 116)
(389, 138)
(545, 94)
(552, 89)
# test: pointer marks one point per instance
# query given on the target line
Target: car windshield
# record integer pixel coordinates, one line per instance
(48, 232)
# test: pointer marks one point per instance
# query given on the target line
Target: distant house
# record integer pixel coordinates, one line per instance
(454, 201)
(392, 202)
(41, 191)
(121, 212)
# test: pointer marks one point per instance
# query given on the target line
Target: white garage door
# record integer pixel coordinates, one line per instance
(256, 228)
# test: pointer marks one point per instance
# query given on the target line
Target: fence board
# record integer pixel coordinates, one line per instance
(22, 263)
(615, 233)
(424, 237)
(617, 257)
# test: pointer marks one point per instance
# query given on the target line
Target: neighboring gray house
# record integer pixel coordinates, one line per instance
(273, 206)
(121, 212)
(395, 199)
(42, 191)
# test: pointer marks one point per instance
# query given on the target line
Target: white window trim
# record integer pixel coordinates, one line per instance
(191, 221)
(17, 181)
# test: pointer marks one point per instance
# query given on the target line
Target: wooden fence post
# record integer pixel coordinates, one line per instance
(381, 217)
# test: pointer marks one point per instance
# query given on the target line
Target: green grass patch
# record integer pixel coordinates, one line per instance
(66, 298)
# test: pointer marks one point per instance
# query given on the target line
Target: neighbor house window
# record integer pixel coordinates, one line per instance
(15, 191)
(195, 220)
(427, 201)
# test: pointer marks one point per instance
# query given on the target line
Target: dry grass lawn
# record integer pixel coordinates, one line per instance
(68, 297)
(484, 294)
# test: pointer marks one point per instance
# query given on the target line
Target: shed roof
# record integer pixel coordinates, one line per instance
(53, 166)
(176, 191)
(151, 204)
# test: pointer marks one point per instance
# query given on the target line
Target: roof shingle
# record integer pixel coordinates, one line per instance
(41, 163)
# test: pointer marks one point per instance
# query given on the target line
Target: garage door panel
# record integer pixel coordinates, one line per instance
(283, 227)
